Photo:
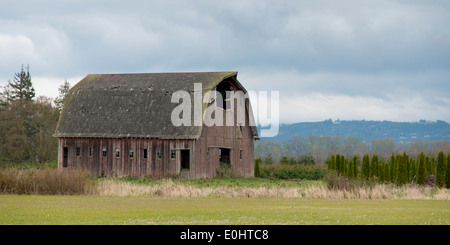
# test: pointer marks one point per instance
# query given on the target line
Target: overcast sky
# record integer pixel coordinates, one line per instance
(346, 59)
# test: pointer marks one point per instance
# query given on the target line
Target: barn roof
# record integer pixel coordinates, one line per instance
(132, 105)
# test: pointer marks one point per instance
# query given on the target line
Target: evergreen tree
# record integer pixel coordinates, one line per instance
(402, 174)
(447, 172)
(440, 171)
(421, 169)
(406, 159)
(392, 168)
(63, 90)
(355, 166)
(428, 165)
(257, 170)
(349, 170)
(432, 165)
(365, 168)
(284, 160)
(338, 163)
(343, 165)
(333, 162)
(21, 87)
(373, 172)
(381, 172)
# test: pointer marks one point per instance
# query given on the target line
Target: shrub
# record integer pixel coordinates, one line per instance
(46, 182)
(288, 171)
(225, 170)
(334, 181)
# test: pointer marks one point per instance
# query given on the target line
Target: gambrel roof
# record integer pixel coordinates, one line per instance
(133, 105)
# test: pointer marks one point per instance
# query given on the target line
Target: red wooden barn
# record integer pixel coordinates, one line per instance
(120, 125)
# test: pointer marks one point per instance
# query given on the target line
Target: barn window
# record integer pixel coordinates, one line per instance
(117, 152)
(207, 153)
(158, 153)
(131, 151)
(90, 151)
(104, 152)
(240, 154)
(172, 154)
(78, 150)
(145, 153)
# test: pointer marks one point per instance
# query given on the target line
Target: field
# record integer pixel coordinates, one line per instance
(31, 209)
(49, 196)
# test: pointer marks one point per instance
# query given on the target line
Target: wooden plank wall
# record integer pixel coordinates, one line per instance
(212, 137)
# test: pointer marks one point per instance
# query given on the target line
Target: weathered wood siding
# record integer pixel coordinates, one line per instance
(113, 166)
(235, 138)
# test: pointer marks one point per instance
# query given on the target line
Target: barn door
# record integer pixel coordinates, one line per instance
(185, 156)
(65, 156)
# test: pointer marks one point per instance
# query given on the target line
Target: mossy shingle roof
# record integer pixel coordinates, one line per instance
(131, 105)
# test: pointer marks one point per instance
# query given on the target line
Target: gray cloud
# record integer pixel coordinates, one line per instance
(388, 50)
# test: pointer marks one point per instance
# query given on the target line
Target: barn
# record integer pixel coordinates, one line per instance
(121, 125)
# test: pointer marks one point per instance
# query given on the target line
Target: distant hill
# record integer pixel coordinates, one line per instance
(401, 132)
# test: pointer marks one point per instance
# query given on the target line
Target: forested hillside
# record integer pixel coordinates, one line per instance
(400, 132)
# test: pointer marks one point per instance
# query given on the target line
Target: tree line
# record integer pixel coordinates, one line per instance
(317, 149)
(400, 169)
(27, 122)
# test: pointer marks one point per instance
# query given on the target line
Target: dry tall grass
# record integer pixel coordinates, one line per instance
(45, 182)
(168, 188)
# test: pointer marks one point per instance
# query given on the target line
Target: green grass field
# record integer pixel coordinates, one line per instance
(36, 209)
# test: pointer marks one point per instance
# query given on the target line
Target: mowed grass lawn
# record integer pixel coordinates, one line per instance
(36, 209)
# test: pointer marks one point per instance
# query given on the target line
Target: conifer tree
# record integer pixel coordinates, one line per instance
(365, 168)
(332, 161)
(421, 169)
(447, 172)
(22, 88)
(355, 166)
(427, 165)
(406, 159)
(392, 168)
(349, 170)
(343, 165)
(433, 166)
(401, 173)
(381, 171)
(338, 163)
(257, 171)
(63, 90)
(440, 170)
(374, 166)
